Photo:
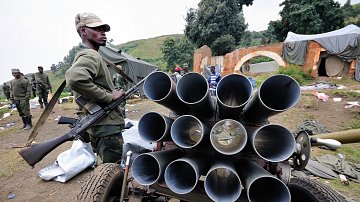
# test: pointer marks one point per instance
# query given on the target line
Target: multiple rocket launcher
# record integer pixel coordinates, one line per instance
(226, 141)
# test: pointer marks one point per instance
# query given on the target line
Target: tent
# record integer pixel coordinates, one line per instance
(342, 46)
(136, 69)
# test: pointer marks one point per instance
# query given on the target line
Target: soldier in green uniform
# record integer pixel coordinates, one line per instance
(90, 77)
(42, 86)
(20, 94)
(33, 85)
(6, 89)
(120, 84)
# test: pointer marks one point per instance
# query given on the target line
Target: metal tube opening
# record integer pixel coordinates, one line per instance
(181, 177)
(222, 183)
(154, 127)
(273, 143)
(233, 92)
(268, 189)
(187, 131)
(228, 137)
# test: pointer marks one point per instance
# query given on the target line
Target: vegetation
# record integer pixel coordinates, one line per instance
(259, 59)
(219, 24)
(296, 72)
(354, 123)
(178, 52)
(307, 17)
(351, 152)
(351, 13)
(345, 93)
(149, 50)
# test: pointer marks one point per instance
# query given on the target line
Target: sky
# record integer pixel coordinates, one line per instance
(41, 32)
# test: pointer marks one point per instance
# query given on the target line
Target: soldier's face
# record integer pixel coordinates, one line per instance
(16, 74)
(96, 35)
(41, 70)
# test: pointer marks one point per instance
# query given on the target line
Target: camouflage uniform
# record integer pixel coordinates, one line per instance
(20, 94)
(33, 85)
(89, 77)
(120, 84)
(42, 86)
(6, 89)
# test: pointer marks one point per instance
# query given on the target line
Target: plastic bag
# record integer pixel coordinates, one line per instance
(69, 163)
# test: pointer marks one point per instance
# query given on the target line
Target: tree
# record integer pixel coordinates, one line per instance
(170, 52)
(53, 68)
(307, 17)
(177, 51)
(217, 20)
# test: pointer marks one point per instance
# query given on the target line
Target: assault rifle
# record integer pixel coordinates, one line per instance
(36, 152)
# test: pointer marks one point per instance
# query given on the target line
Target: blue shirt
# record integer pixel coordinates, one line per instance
(214, 79)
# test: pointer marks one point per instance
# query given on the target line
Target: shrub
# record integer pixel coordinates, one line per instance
(296, 72)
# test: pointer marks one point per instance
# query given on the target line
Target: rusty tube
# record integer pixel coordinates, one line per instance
(345, 137)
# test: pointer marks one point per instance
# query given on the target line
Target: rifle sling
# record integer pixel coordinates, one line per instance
(46, 113)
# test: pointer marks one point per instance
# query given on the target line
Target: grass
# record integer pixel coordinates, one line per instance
(11, 162)
(297, 73)
(345, 93)
(4, 111)
(354, 123)
(352, 190)
(68, 106)
(64, 94)
(260, 78)
(8, 131)
(351, 152)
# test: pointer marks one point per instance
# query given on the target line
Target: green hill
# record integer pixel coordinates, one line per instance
(148, 49)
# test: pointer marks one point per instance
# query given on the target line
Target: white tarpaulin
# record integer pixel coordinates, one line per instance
(343, 43)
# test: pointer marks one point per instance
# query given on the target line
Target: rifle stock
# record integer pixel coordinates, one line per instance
(36, 152)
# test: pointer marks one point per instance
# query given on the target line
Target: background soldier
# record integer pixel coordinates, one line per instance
(120, 84)
(42, 86)
(33, 85)
(20, 95)
(6, 89)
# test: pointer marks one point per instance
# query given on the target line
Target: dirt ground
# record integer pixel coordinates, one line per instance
(16, 177)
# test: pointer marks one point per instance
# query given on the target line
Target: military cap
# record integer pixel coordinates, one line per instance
(89, 20)
(15, 70)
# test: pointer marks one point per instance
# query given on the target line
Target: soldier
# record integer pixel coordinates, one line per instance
(42, 86)
(90, 77)
(20, 94)
(6, 89)
(120, 84)
(33, 85)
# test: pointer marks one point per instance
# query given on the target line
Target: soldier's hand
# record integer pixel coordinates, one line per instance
(117, 94)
